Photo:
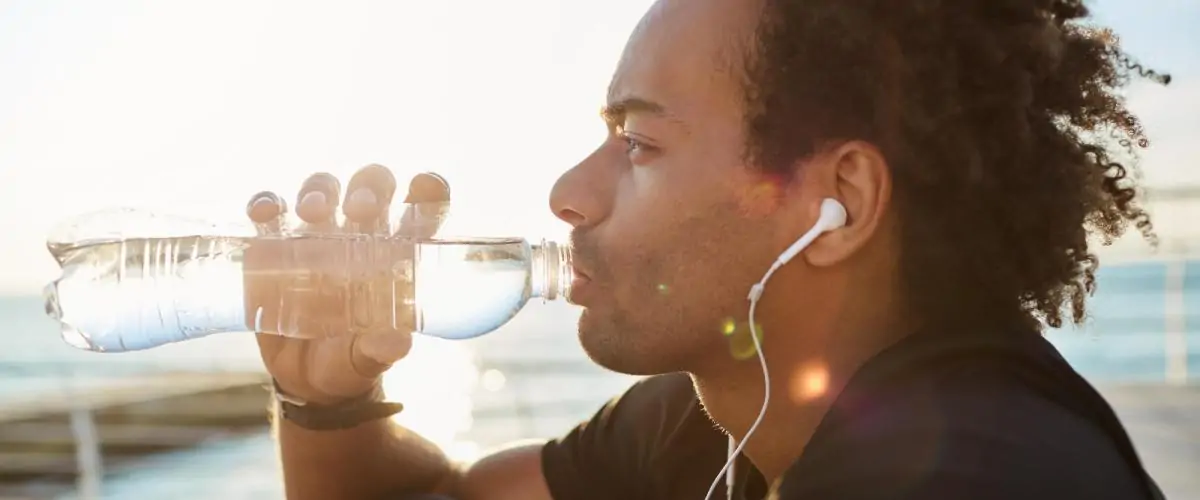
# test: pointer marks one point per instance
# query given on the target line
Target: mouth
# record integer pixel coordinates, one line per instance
(580, 282)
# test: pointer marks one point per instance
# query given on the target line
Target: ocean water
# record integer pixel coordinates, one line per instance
(528, 380)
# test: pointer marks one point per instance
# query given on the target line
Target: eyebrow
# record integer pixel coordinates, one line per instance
(614, 113)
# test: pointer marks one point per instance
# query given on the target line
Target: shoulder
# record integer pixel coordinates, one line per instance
(655, 398)
(646, 414)
(958, 433)
(635, 445)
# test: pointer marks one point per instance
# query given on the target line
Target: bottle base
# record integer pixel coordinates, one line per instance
(69, 334)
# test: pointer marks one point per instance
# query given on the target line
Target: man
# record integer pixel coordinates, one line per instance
(967, 141)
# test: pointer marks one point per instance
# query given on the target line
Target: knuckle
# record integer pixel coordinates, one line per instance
(323, 181)
(377, 177)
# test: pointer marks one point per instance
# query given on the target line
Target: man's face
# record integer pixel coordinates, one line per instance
(671, 227)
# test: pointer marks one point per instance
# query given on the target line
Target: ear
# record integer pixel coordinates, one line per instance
(857, 175)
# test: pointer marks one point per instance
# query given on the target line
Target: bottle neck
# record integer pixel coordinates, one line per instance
(551, 272)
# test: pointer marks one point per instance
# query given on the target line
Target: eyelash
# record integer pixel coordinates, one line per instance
(633, 145)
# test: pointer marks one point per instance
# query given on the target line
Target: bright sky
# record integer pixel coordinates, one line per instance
(200, 104)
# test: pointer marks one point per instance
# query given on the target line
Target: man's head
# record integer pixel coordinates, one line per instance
(968, 140)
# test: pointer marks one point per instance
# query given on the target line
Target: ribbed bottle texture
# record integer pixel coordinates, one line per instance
(124, 294)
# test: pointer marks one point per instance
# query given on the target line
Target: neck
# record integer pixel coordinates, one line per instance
(809, 365)
(798, 403)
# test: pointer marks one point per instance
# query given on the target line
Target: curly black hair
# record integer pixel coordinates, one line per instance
(1001, 121)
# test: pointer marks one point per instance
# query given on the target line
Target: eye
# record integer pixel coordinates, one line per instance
(634, 146)
(631, 144)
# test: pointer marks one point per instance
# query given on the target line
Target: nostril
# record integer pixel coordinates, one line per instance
(572, 217)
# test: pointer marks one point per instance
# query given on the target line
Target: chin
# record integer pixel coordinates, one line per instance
(623, 348)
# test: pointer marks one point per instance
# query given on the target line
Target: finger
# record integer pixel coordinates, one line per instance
(368, 198)
(310, 275)
(428, 187)
(267, 211)
(318, 200)
(427, 205)
(373, 353)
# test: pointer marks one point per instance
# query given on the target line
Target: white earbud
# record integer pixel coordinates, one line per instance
(833, 216)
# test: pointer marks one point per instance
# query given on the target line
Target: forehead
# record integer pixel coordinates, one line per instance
(685, 54)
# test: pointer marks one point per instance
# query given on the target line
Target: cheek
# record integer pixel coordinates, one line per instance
(685, 264)
(683, 235)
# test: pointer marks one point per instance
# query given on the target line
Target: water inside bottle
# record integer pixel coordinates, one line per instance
(132, 294)
(463, 289)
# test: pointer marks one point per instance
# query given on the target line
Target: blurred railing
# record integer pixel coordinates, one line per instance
(1173, 193)
(1177, 316)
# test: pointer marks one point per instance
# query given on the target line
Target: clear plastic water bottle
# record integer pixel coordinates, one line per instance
(134, 279)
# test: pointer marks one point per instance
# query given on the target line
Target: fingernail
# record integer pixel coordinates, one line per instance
(266, 211)
(314, 198)
(427, 187)
(266, 198)
(362, 198)
(261, 204)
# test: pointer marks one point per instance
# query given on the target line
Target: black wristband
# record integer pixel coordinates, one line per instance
(340, 416)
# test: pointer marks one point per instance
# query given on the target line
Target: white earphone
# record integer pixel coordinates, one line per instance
(833, 216)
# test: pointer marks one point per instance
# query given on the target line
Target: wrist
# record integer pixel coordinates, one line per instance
(305, 394)
(326, 415)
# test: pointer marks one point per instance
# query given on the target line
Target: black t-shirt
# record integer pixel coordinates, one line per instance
(933, 417)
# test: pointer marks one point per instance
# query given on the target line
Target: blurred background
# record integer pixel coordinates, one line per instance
(192, 107)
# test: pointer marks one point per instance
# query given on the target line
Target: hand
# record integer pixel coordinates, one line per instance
(330, 369)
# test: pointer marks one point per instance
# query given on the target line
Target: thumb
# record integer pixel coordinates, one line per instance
(373, 353)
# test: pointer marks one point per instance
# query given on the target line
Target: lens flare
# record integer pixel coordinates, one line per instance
(741, 345)
(809, 382)
(729, 327)
(760, 198)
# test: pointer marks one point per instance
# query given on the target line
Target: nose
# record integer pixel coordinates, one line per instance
(583, 195)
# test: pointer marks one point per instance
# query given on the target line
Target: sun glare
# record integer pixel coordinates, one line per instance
(435, 382)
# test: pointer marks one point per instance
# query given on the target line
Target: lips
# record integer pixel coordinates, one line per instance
(580, 285)
(583, 273)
